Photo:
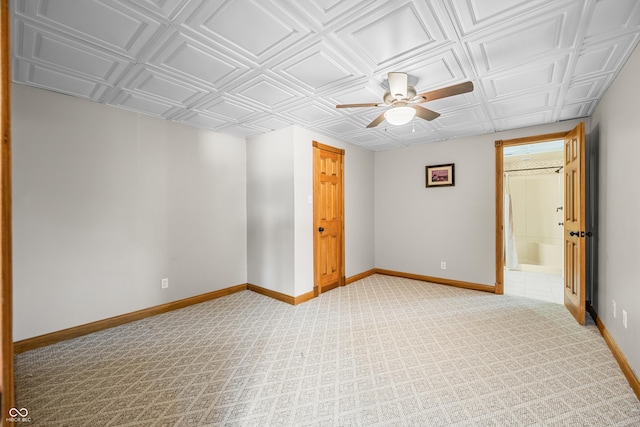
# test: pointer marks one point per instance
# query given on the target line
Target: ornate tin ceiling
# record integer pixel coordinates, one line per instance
(246, 67)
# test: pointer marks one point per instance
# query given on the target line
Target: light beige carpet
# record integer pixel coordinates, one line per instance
(381, 351)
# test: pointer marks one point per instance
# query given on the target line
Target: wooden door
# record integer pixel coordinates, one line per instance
(328, 217)
(6, 353)
(574, 223)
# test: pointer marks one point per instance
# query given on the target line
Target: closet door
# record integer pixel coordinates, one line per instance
(328, 207)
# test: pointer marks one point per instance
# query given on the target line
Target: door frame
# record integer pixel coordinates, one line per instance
(6, 298)
(500, 144)
(316, 273)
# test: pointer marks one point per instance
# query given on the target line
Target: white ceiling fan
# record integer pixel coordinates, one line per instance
(403, 100)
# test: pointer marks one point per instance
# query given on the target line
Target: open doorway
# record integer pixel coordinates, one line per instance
(574, 223)
(533, 200)
(576, 228)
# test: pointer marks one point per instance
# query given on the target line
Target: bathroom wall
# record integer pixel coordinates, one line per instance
(536, 218)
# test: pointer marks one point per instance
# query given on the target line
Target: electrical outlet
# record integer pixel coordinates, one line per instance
(165, 283)
(614, 309)
(624, 318)
(443, 265)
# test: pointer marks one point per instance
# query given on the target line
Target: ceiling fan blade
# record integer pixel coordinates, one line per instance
(446, 91)
(371, 104)
(398, 85)
(376, 121)
(425, 113)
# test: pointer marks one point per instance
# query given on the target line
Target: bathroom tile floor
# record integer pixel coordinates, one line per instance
(541, 286)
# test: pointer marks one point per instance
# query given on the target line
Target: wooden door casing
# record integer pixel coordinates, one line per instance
(6, 317)
(328, 207)
(499, 157)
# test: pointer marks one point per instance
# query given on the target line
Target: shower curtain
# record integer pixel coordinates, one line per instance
(510, 253)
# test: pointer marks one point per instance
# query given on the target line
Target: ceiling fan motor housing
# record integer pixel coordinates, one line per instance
(390, 99)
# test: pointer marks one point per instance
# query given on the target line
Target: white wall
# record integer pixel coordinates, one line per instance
(280, 180)
(417, 227)
(303, 210)
(536, 219)
(108, 202)
(270, 211)
(615, 131)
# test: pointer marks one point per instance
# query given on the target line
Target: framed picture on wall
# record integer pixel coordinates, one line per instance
(440, 175)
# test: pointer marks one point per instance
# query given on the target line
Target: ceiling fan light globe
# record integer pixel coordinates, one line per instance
(399, 115)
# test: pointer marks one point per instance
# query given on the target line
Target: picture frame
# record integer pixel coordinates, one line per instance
(440, 175)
